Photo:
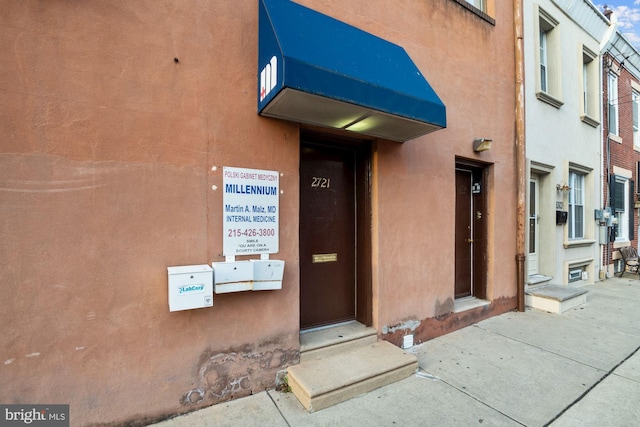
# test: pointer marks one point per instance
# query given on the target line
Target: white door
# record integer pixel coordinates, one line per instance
(534, 237)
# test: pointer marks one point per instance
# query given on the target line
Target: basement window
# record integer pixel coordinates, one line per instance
(575, 274)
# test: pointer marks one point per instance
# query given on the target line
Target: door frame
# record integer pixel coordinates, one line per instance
(480, 173)
(534, 205)
(464, 234)
(362, 150)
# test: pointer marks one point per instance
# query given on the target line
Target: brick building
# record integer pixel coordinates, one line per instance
(621, 148)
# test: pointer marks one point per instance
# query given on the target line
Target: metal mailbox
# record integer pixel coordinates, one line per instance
(267, 274)
(232, 276)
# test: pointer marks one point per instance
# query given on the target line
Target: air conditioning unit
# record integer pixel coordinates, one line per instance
(575, 275)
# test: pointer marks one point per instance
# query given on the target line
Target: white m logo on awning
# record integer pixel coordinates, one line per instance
(268, 77)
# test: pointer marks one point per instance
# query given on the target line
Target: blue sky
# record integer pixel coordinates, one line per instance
(628, 14)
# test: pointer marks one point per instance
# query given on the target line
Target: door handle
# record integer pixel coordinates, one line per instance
(469, 240)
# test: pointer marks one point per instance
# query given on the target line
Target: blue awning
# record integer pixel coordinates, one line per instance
(316, 69)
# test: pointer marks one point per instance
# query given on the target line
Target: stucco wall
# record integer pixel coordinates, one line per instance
(107, 177)
(470, 63)
(557, 137)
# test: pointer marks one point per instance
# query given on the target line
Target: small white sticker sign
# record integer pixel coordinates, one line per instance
(250, 211)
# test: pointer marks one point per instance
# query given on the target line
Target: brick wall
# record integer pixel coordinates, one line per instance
(621, 154)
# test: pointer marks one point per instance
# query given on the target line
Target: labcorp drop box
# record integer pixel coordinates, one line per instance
(190, 286)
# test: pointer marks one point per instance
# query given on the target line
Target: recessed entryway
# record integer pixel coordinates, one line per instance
(335, 262)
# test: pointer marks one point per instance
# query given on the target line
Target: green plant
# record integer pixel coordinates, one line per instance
(284, 386)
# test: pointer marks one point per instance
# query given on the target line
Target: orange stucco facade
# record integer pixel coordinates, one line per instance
(116, 120)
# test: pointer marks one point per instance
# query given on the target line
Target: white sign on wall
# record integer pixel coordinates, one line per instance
(250, 211)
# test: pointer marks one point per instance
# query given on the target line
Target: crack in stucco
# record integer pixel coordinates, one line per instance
(411, 325)
(234, 373)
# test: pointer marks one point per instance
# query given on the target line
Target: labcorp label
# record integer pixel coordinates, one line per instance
(191, 289)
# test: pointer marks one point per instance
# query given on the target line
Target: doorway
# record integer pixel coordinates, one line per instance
(335, 248)
(470, 231)
(534, 235)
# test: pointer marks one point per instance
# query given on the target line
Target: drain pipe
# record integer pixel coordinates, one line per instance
(521, 187)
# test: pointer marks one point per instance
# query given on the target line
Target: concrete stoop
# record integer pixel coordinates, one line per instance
(537, 279)
(349, 367)
(334, 340)
(555, 298)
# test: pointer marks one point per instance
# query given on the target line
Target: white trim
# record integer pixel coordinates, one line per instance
(617, 170)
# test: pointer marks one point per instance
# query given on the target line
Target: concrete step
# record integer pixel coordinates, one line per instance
(336, 339)
(555, 298)
(325, 381)
(538, 279)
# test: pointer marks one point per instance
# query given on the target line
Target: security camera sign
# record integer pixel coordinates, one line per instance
(250, 211)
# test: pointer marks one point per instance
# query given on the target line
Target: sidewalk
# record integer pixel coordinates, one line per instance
(579, 368)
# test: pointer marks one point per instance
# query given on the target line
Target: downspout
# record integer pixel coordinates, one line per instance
(521, 187)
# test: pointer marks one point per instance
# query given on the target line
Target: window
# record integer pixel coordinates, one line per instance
(635, 97)
(543, 61)
(548, 87)
(478, 4)
(576, 206)
(590, 88)
(485, 9)
(612, 100)
(585, 89)
(622, 227)
(621, 201)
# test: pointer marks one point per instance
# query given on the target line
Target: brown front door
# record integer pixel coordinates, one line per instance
(327, 234)
(464, 234)
(471, 231)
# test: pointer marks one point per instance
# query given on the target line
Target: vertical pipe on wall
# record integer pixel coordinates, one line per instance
(521, 187)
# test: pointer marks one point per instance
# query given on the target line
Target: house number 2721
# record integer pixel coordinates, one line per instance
(319, 182)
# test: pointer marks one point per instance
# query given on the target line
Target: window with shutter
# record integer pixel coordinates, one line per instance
(621, 202)
(617, 193)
